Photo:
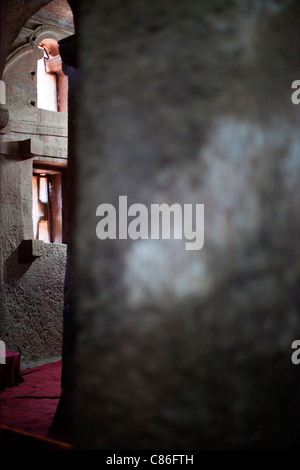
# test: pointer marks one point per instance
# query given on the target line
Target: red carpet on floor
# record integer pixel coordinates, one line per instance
(30, 406)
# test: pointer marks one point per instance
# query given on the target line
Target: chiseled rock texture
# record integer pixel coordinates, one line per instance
(31, 283)
(189, 101)
(31, 287)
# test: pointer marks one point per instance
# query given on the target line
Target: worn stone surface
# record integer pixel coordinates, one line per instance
(14, 15)
(32, 274)
(189, 102)
(32, 288)
(181, 101)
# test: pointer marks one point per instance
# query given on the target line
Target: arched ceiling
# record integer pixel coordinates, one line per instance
(57, 12)
(15, 14)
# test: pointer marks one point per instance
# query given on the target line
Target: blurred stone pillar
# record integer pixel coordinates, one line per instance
(188, 102)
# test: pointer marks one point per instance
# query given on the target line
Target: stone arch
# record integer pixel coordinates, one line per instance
(38, 35)
(14, 15)
(13, 22)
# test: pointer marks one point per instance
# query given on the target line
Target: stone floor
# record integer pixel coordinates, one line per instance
(31, 405)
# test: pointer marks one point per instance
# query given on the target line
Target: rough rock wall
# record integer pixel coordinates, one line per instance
(189, 102)
(32, 289)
